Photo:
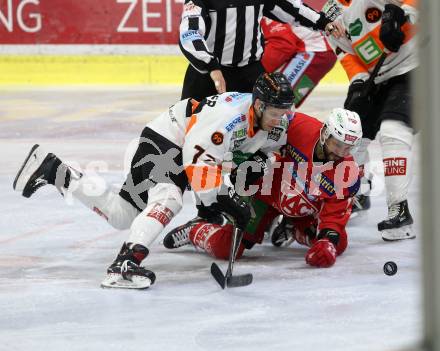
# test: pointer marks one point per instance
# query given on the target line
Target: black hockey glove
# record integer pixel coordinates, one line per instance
(391, 33)
(248, 172)
(230, 203)
(210, 214)
(356, 101)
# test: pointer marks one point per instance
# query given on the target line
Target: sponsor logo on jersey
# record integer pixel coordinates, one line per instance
(296, 155)
(235, 98)
(236, 120)
(217, 138)
(355, 28)
(373, 14)
(368, 50)
(304, 86)
(238, 143)
(241, 133)
(325, 184)
(190, 35)
(275, 133)
(297, 66)
(394, 166)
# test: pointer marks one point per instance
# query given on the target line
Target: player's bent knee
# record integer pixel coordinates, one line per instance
(168, 195)
(119, 213)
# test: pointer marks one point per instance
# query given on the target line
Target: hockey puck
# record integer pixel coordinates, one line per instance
(390, 268)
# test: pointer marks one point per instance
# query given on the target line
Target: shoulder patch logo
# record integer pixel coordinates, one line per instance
(217, 138)
(355, 28)
(373, 14)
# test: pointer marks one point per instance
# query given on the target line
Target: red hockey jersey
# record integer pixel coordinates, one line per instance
(302, 187)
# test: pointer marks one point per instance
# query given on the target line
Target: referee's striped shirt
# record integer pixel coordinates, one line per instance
(227, 32)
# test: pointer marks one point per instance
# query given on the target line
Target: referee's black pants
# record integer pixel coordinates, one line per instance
(198, 85)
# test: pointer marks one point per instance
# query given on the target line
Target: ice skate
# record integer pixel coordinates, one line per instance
(282, 233)
(398, 226)
(38, 169)
(126, 273)
(179, 236)
(361, 203)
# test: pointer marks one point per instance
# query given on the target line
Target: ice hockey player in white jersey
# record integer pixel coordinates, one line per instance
(186, 144)
(376, 28)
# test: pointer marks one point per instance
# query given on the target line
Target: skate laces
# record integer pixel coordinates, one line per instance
(356, 202)
(124, 266)
(286, 236)
(393, 211)
(181, 237)
(38, 183)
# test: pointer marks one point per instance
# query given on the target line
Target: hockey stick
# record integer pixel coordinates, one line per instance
(369, 84)
(228, 280)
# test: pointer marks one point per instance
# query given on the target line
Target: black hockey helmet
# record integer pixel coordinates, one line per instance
(274, 90)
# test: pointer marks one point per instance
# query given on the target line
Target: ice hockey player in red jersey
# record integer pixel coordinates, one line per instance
(301, 54)
(312, 189)
(188, 143)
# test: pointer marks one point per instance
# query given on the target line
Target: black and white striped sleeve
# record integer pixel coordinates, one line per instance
(294, 11)
(191, 37)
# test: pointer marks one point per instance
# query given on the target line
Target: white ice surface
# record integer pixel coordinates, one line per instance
(53, 256)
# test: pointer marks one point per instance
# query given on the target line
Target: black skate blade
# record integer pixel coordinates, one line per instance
(14, 185)
(236, 281)
(218, 275)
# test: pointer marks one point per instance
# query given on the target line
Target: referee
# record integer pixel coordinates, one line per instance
(223, 42)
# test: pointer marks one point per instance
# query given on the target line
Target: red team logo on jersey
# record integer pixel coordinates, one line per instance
(294, 203)
(394, 166)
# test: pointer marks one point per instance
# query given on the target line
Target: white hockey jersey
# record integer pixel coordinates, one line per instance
(212, 132)
(361, 50)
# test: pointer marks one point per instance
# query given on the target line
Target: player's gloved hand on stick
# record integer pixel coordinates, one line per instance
(210, 214)
(355, 100)
(229, 202)
(254, 168)
(323, 252)
(391, 33)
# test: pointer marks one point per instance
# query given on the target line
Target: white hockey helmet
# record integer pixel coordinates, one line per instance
(343, 125)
